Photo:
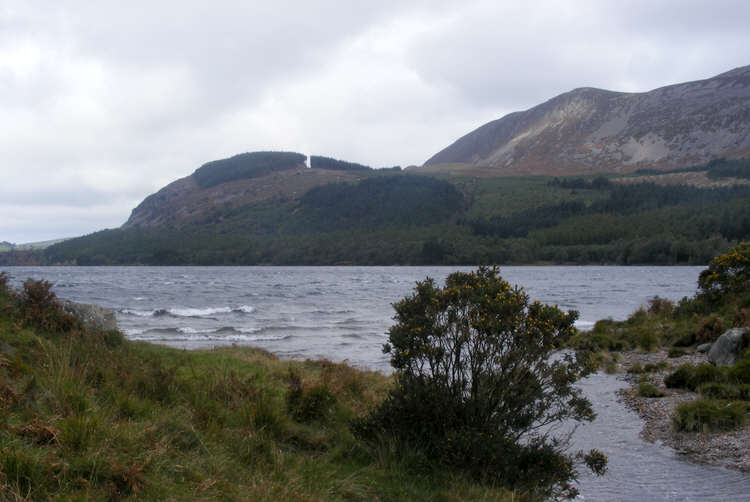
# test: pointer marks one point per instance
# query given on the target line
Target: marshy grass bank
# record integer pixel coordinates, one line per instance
(88, 415)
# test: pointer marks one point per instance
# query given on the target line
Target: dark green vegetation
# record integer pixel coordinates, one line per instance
(722, 302)
(319, 162)
(647, 389)
(716, 169)
(377, 202)
(476, 387)
(704, 415)
(87, 415)
(387, 217)
(245, 165)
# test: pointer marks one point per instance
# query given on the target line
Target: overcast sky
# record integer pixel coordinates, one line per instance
(103, 103)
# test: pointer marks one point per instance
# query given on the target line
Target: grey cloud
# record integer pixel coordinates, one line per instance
(511, 58)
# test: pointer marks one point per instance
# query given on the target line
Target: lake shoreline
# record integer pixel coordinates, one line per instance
(729, 449)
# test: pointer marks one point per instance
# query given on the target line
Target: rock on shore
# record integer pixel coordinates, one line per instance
(93, 316)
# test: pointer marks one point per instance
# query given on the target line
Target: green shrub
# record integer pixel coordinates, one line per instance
(646, 389)
(22, 474)
(680, 378)
(688, 376)
(474, 374)
(660, 307)
(246, 165)
(675, 352)
(705, 415)
(741, 318)
(648, 340)
(716, 390)
(685, 340)
(306, 405)
(603, 326)
(706, 373)
(264, 416)
(743, 392)
(740, 372)
(710, 329)
(610, 367)
(637, 318)
(636, 368)
(652, 367)
(79, 433)
(39, 308)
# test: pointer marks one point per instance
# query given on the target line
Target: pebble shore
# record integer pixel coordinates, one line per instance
(729, 449)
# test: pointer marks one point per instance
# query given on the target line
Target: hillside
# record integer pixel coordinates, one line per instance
(231, 183)
(311, 216)
(591, 130)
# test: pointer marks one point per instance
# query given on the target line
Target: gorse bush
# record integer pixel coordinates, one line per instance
(477, 384)
(727, 274)
(39, 308)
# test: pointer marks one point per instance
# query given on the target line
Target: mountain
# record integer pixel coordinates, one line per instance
(593, 130)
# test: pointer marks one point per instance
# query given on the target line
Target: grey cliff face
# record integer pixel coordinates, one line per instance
(587, 130)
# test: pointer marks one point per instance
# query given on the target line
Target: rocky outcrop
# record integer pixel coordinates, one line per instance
(729, 347)
(589, 130)
(93, 316)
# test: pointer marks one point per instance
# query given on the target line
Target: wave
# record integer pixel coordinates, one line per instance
(355, 336)
(333, 312)
(224, 334)
(584, 325)
(189, 312)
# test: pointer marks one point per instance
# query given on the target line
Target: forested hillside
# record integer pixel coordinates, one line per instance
(390, 217)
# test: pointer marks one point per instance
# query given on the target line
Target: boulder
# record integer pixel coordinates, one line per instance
(728, 347)
(93, 316)
(703, 348)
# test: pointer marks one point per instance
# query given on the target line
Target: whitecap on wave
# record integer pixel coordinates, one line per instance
(190, 312)
(188, 334)
(584, 325)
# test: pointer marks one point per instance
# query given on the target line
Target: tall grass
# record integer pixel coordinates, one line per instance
(87, 415)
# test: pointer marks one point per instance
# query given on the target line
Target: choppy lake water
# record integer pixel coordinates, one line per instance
(343, 313)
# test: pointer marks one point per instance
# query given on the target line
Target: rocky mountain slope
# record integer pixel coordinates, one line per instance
(589, 130)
